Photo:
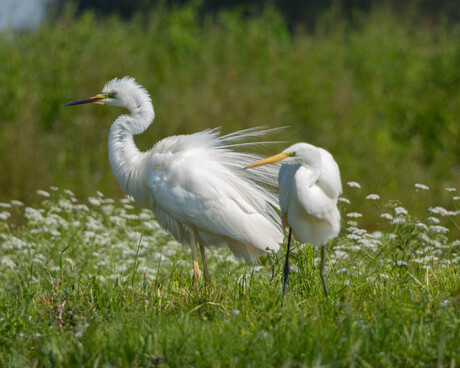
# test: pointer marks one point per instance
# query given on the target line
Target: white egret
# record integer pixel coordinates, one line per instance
(194, 184)
(309, 186)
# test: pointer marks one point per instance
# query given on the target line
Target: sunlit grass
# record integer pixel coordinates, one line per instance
(99, 282)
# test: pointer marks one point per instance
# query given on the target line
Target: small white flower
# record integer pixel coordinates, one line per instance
(456, 198)
(43, 193)
(456, 243)
(5, 205)
(373, 197)
(344, 200)
(451, 189)
(54, 189)
(235, 312)
(400, 211)
(401, 263)
(94, 201)
(16, 203)
(398, 221)
(386, 216)
(433, 220)
(442, 211)
(353, 184)
(422, 186)
(437, 229)
(421, 225)
(69, 192)
(4, 215)
(354, 214)
(99, 194)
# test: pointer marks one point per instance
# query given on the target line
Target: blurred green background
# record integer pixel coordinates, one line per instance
(377, 88)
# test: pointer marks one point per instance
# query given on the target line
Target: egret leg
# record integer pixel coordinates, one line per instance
(287, 270)
(196, 267)
(205, 264)
(323, 270)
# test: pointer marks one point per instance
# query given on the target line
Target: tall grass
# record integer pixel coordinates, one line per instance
(382, 96)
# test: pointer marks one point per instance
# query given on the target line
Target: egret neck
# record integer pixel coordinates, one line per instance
(127, 162)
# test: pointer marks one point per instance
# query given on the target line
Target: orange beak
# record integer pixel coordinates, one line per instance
(270, 160)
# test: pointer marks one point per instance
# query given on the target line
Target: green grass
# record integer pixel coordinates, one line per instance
(100, 284)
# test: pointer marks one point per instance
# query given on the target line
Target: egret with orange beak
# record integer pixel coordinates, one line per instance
(309, 186)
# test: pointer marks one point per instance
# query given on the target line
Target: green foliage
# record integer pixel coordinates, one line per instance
(382, 96)
(100, 284)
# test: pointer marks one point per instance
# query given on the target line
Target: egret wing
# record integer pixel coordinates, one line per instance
(196, 193)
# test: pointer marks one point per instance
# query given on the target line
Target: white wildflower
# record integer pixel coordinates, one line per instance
(441, 211)
(354, 214)
(4, 215)
(373, 197)
(340, 254)
(145, 216)
(14, 202)
(437, 229)
(352, 223)
(456, 198)
(43, 193)
(451, 189)
(69, 192)
(433, 220)
(376, 235)
(353, 237)
(386, 216)
(421, 225)
(53, 188)
(369, 243)
(456, 243)
(353, 184)
(8, 262)
(101, 278)
(401, 263)
(5, 205)
(400, 211)
(99, 194)
(66, 205)
(422, 186)
(344, 200)
(398, 221)
(94, 201)
(128, 207)
(81, 207)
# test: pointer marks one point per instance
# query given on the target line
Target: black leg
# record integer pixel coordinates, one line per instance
(322, 272)
(286, 266)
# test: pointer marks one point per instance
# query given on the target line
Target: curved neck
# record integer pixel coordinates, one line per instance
(127, 162)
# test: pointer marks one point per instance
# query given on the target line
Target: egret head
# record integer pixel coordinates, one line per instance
(298, 154)
(124, 92)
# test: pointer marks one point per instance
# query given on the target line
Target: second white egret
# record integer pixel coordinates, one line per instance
(309, 187)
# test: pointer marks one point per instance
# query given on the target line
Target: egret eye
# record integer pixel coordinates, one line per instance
(292, 154)
(111, 94)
